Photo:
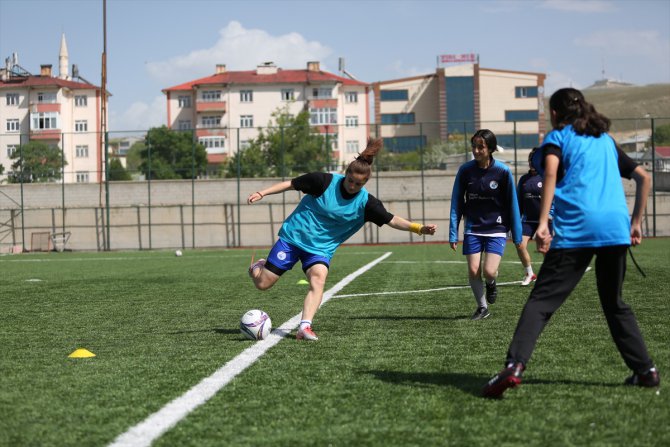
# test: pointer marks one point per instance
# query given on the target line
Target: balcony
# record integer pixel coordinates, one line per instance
(40, 107)
(45, 134)
(210, 132)
(207, 106)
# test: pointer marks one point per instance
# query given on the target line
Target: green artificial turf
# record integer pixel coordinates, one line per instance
(390, 368)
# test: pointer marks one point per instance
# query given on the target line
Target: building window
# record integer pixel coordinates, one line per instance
(44, 120)
(351, 121)
(80, 101)
(211, 121)
(521, 115)
(81, 126)
(13, 125)
(212, 142)
(322, 92)
(12, 99)
(11, 149)
(331, 139)
(393, 95)
(246, 121)
(322, 116)
(81, 151)
(82, 177)
(352, 147)
(287, 94)
(211, 95)
(246, 95)
(184, 101)
(351, 97)
(397, 118)
(245, 144)
(184, 125)
(46, 97)
(525, 92)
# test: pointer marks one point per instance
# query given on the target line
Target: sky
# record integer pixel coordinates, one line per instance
(156, 44)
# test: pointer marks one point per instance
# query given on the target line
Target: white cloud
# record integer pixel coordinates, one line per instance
(647, 43)
(582, 6)
(239, 49)
(398, 69)
(139, 116)
(558, 79)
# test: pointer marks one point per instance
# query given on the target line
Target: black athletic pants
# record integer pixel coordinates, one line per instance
(559, 275)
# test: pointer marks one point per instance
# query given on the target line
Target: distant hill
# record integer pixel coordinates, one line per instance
(627, 106)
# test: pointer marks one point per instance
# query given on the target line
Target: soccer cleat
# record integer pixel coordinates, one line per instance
(528, 279)
(480, 313)
(509, 377)
(306, 334)
(648, 379)
(256, 265)
(491, 292)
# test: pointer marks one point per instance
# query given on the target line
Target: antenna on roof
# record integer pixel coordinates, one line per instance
(342, 69)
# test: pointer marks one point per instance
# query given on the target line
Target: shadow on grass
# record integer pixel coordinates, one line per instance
(467, 382)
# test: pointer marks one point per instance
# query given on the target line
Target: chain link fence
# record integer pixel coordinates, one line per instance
(165, 189)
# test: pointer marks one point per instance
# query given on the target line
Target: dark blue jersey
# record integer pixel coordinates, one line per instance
(487, 200)
(529, 190)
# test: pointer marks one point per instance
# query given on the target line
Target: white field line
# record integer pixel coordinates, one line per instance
(147, 431)
(406, 292)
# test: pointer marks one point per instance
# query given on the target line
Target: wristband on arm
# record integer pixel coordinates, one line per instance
(415, 228)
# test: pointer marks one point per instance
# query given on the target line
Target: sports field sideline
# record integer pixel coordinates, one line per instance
(399, 362)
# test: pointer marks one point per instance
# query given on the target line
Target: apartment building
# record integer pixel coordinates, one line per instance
(460, 99)
(62, 111)
(227, 108)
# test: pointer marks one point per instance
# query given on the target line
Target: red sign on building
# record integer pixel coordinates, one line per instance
(458, 58)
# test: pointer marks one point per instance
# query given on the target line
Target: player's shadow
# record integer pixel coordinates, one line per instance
(469, 383)
(466, 382)
(217, 330)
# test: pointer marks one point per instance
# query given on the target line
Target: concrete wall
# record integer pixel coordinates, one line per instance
(207, 213)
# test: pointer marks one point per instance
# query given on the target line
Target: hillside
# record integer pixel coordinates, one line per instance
(627, 106)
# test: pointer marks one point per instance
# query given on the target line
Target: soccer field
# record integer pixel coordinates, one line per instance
(398, 361)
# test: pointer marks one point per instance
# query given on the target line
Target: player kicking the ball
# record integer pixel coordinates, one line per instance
(334, 207)
(582, 174)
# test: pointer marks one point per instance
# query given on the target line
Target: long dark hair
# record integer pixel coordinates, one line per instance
(363, 162)
(571, 108)
(489, 138)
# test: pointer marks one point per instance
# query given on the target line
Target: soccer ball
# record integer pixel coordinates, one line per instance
(177, 253)
(255, 325)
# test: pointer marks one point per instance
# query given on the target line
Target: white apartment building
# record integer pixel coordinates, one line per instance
(227, 108)
(460, 99)
(56, 110)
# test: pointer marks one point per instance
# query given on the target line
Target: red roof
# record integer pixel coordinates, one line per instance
(281, 77)
(44, 81)
(663, 151)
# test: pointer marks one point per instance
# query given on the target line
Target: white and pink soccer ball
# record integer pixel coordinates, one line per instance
(255, 325)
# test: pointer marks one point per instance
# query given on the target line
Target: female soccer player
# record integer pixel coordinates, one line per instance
(484, 193)
(333, 209)
(582, 170)
(529, 191)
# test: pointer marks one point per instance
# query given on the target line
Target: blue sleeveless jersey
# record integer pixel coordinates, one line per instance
(319, 225)
(590, 207)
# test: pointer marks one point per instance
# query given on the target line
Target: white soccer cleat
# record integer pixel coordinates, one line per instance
(306, 334)
(528, 279)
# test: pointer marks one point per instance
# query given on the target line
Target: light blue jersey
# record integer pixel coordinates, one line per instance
(589, 205)
(319, 225)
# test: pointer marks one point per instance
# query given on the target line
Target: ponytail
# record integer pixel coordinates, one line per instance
(363, 162)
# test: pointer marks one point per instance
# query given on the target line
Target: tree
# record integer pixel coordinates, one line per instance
(117, 172)
(288, 146)
(172, 154)
(662, 135)
(36, 162)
